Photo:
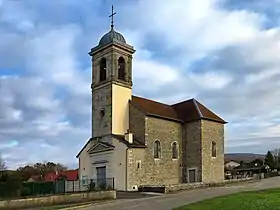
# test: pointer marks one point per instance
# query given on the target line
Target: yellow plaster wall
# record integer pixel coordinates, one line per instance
(120, 109)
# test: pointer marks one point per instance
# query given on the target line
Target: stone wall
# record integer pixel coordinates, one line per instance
(212, 167)
(137, 123)
(102, 99)
(163, 170)
(192, 148)
(136, 168)
(195, 141)
(189, 186)
(56, 199)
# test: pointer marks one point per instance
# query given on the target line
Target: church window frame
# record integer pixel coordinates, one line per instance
(121, 68)
(157, 149)
(214, 149)
(103, 69)
(175, 150)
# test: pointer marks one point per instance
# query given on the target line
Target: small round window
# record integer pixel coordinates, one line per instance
(102, 113)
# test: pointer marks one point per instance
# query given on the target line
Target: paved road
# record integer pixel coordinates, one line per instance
(170, 201)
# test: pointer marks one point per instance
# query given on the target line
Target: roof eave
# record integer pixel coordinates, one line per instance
(78, 155)
(163, 117)
(214, 120)
(129, 145)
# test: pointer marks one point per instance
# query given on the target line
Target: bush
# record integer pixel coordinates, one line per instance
(12, 186)
(25, 191)
(91, 186)
(270, 174)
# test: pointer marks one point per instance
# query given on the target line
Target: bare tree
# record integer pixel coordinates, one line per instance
(276, 155)
(3, 169)
(3, 166)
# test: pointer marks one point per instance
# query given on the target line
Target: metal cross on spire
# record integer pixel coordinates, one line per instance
(112, 18)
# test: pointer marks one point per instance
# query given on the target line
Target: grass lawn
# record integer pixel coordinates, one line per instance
(257, 200)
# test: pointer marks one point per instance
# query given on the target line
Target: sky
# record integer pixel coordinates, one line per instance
(223, 53)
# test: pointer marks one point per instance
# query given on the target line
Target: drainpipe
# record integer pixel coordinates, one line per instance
(126, 161)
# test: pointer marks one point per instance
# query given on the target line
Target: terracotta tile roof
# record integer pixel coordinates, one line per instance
(34, 177)
(155, 108)
(185, 111)
(70, 175)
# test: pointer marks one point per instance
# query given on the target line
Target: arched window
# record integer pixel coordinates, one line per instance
(121, 68)
(102, 72)
(214, 149)
(174, 150)
(157, 149)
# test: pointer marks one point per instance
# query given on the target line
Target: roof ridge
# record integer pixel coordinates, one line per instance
(197, 108)
(214, 115)
(182, 102)
(188, 110)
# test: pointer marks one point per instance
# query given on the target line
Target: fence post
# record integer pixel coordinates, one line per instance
(113, 183)
(79, 185)
(73, 186)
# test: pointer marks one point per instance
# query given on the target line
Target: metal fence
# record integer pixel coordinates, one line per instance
(39, 188)
(90, 184)
(58, 187)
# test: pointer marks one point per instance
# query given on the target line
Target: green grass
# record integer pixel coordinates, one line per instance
(257, 200)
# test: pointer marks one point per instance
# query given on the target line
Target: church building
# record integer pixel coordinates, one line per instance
(141, 142)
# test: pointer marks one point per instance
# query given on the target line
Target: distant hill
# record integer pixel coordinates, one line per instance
(246, 157)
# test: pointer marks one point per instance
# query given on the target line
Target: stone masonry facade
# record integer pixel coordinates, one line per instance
(164, 170)
(212, 167)
(194, 140)
(102, 100)
(192, 149)
(143, 169)
(137, 123)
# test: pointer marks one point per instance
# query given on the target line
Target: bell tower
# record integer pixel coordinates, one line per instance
(111, 83)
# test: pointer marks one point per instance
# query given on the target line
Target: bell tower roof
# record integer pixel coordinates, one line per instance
(111, 36)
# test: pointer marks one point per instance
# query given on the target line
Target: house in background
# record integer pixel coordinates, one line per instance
(69, 175)
(231, 164)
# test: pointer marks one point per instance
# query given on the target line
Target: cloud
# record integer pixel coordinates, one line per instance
(195, 27)
(220, 52)
(42, 104)
(229, 56)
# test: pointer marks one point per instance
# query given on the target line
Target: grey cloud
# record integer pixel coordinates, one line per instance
(256, 145)
(248, 106)
(39, 123)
